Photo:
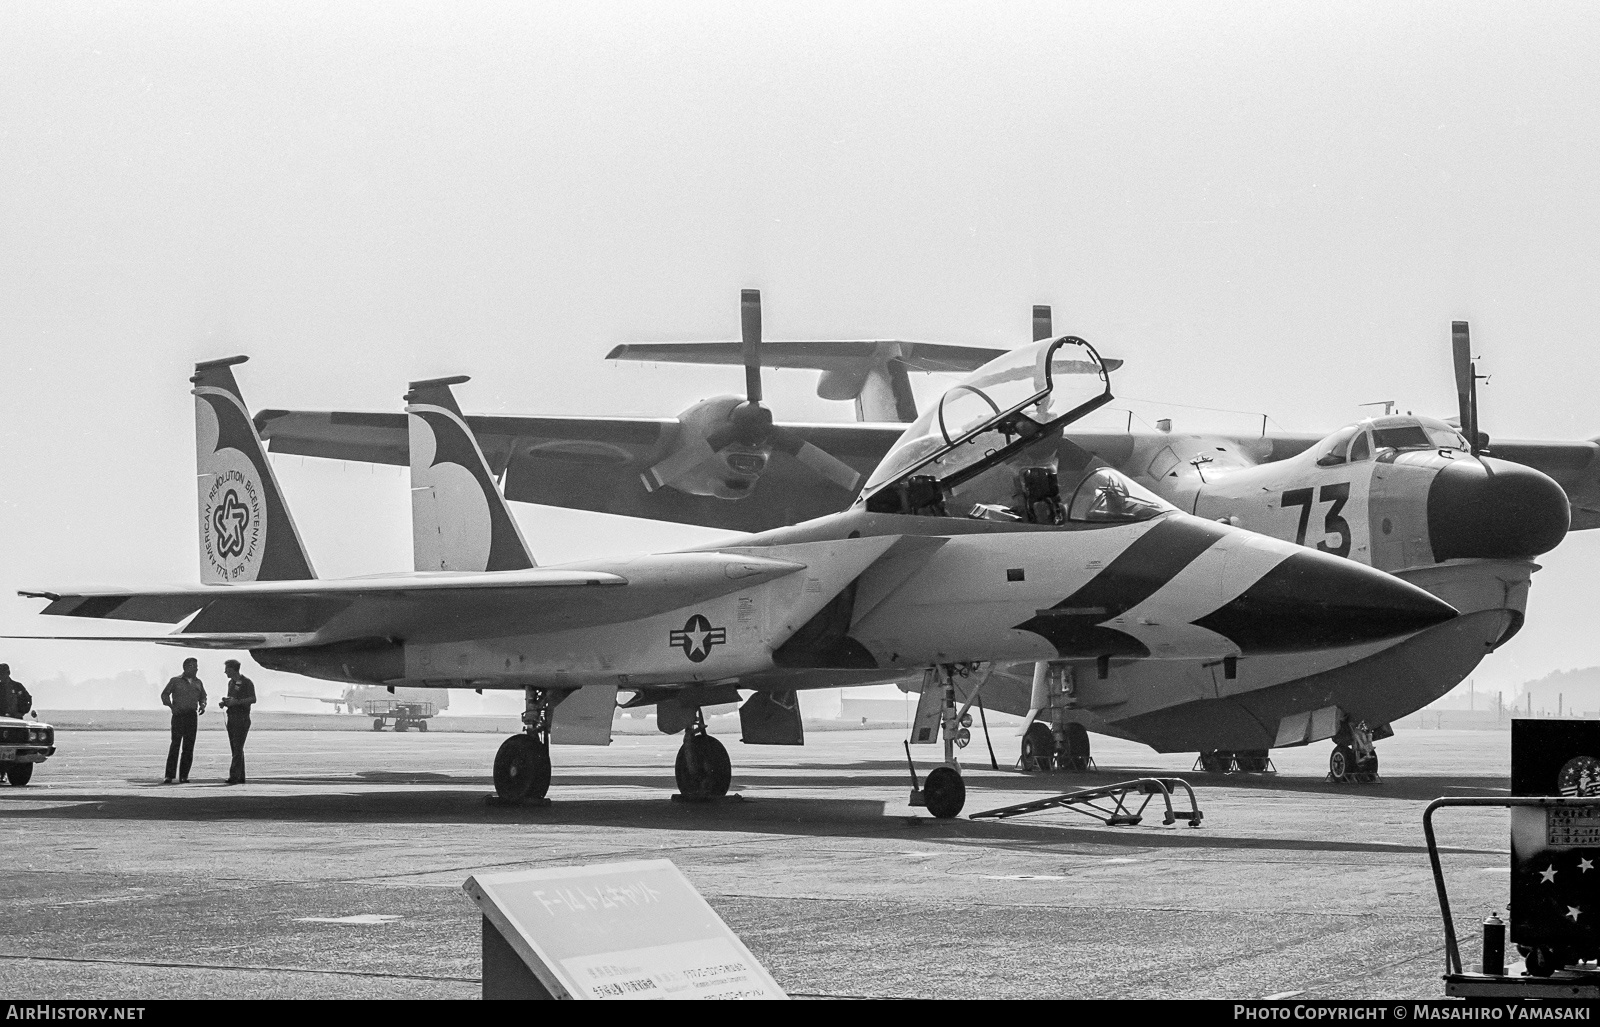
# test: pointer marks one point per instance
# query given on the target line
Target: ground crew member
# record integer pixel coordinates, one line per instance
(186, 697)
(14, 699)
(241, 696)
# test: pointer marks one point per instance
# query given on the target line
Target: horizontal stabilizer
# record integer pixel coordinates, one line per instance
(823, 355)
(198, 640)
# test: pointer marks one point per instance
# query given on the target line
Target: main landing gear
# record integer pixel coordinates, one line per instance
(943, 792)
(522, 766)
(1066, 748)
(703, 769)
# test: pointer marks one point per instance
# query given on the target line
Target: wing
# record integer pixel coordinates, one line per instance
(595, 463)
(420, 607)
(1574, 465)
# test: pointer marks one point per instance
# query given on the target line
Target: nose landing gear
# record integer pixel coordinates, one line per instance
(703, 769)
(522, 766)
(943, 792)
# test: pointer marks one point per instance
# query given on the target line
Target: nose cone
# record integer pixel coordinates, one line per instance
(1495, 510)
(1314, 601)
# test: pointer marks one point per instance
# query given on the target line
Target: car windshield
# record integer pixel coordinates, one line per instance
(1004, 405)
(1107, 497)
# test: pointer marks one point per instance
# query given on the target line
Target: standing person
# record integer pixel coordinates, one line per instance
(186, 697)
(241, 696)
(14, 699)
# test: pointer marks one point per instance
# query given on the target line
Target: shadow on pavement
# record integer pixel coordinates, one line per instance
(757, 814)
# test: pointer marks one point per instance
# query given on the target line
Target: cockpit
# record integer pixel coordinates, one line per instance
(992, 448)
(1382, 438)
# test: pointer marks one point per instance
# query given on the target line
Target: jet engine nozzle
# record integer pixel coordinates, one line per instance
(1495, 510)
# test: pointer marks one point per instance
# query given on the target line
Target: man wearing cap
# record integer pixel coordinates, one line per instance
(241, 696)
(14, 699)
(186, 697)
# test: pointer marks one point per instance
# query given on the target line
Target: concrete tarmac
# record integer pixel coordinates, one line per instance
(117, 886)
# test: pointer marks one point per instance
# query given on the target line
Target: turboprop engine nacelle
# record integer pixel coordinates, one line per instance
(693, 465)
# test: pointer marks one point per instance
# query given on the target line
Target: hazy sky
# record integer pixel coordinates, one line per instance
(1263, 207)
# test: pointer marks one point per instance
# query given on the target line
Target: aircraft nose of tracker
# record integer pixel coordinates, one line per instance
(1312, 600)
(1496, 510)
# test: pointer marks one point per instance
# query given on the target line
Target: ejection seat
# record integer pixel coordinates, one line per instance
(1041, 496)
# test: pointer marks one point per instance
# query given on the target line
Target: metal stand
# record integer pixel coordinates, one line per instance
(1561, 984)
(1118, 814)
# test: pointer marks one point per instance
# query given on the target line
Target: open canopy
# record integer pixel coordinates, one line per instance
(1011, 402)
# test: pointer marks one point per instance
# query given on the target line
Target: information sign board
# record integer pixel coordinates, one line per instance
(616, 930)
(1555, 851)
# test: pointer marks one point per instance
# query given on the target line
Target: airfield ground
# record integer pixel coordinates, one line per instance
(117, 886)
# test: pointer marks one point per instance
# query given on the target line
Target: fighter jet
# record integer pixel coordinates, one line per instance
(966, 547)
(1408, 495)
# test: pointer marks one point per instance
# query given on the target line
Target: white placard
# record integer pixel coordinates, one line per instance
(620, 930)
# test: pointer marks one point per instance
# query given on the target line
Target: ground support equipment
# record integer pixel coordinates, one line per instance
(1119, 814)
(1226, 761)
(1575, 982)
(404, 714)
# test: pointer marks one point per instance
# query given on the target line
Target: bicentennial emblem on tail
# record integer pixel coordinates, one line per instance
(246, 533)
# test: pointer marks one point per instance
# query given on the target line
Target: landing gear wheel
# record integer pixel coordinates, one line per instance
(1216, 761)
(1252, 761)
(1367, 770)
(703, 769)
(522, 769)
(1038, 748)
(1342, 765)
(377, 724)
(19, 774)
(944, 792)
(1075, 756)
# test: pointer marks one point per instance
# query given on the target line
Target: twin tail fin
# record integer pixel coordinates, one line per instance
(246, 533)
(459, 520)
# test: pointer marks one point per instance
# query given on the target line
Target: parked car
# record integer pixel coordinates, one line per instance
(22, 744)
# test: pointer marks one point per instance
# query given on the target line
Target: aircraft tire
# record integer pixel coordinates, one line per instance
(1077, 752)
(1215, 761)
(1038, 748)
(522, 769)
(944, 792)
(703, 769)
(19, 774)
(1342, 764)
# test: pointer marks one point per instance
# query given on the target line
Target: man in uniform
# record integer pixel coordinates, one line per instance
(241, 696)
(186, 697)
(14, 699)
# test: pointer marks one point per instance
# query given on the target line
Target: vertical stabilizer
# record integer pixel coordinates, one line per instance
(459, 521)
(246, 533)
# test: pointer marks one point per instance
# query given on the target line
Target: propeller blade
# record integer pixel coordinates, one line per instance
(1041, 322)
(818, 460)
(678, 464)
(1461, 351)
(750, 330)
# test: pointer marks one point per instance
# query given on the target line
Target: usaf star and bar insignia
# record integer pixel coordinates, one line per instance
(697, 638)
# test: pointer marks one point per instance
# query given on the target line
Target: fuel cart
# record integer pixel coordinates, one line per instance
(1554, 922)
